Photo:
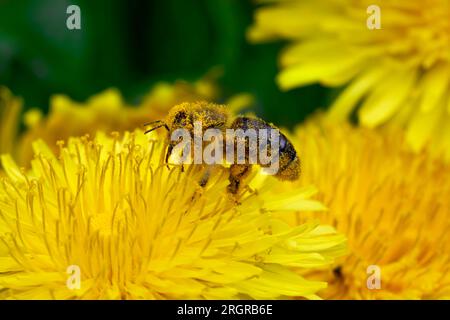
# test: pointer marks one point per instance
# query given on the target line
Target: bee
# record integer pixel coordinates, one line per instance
(185, 115)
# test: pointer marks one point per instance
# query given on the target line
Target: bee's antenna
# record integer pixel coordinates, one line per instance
(157, 127)
(152, 122)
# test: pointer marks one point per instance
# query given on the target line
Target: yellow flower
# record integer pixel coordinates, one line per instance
(137, 229)
(394, 207)
(399, 74)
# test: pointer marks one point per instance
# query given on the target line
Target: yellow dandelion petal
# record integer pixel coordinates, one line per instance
(386, 98)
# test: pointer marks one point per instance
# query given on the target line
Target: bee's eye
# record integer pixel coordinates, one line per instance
(283, 143)
(180, 116)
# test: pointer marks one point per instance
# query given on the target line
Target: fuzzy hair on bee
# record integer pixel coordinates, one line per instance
(215, 116)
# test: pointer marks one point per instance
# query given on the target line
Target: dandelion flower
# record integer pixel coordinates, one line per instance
(399, 74)
(138, 229)
(393, 205)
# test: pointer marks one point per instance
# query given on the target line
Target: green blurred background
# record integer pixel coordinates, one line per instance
(133, 44)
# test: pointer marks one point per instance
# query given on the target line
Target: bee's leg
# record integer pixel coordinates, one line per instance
(237, 173)
(204, 180)
(208, 169)
(168, 153)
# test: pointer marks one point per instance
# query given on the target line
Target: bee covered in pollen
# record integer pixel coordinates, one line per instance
(193, 117)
